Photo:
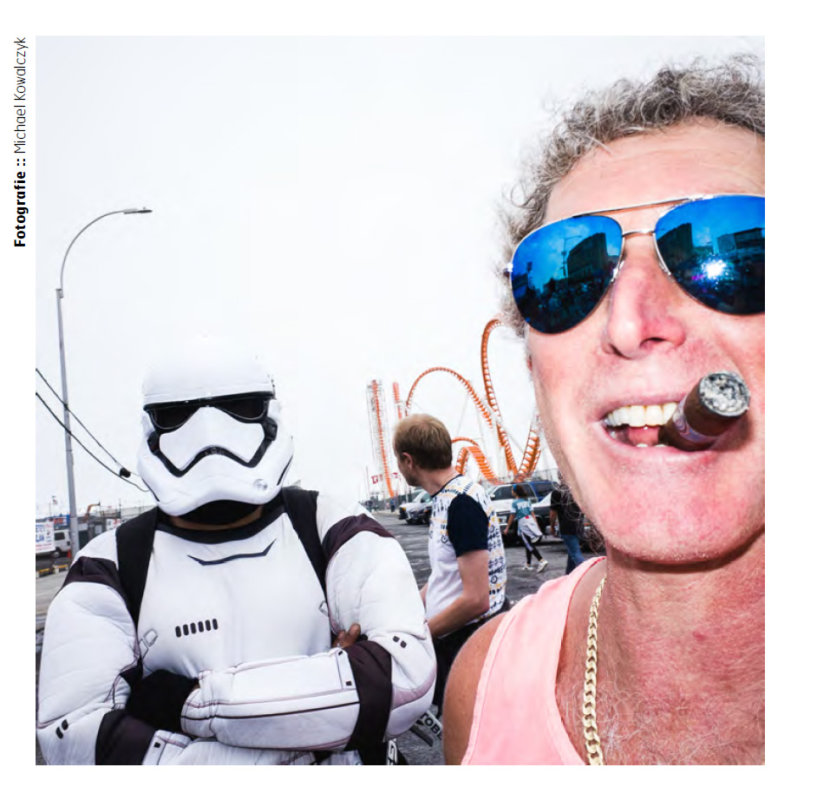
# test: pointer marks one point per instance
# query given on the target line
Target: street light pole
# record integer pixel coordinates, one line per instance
(70, 467)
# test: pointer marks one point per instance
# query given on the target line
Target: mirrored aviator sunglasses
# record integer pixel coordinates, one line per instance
(168, 417)
(712, 246)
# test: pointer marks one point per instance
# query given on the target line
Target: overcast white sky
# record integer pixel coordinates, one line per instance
(332, 201)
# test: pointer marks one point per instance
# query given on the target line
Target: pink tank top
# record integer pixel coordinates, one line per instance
(516, 719)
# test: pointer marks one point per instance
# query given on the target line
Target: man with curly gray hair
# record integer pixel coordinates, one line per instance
(636, 268)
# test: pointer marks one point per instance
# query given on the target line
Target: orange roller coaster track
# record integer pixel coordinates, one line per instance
(467, 385)
(396, 396)
(488, 410)
(472, 449)
(490, 393)
(532, 448)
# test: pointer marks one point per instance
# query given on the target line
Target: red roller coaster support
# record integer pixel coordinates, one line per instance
(381, 440)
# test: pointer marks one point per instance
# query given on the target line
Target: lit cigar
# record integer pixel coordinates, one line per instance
(713, 406)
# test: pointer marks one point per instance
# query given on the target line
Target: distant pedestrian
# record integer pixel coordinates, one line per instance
(571, 524)
(526, 526)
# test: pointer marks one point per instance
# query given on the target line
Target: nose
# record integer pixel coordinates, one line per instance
(643, 306)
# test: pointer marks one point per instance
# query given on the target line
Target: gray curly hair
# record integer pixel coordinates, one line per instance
(731, 92)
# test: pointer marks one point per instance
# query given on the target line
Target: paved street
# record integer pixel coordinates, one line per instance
(413, 539)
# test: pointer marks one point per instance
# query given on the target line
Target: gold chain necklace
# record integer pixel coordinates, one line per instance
(589, 690)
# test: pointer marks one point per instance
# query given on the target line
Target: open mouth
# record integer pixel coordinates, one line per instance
(638, 426)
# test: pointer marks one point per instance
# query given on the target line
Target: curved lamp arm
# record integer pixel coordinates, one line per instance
(77, 235)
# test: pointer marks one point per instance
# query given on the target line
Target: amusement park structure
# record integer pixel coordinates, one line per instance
(489, 414)
(379, 428)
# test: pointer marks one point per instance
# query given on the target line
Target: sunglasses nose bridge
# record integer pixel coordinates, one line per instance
(640, 232)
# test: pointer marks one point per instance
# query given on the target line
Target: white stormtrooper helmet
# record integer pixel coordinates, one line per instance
(212, 429)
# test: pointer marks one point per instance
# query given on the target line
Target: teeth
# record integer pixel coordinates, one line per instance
(636, 416)
(653, 415)
(640, 416)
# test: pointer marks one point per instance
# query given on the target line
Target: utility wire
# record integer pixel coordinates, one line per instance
(74, 416)
(91, 454)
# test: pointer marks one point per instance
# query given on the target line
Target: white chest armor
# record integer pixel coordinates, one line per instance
(212, 606)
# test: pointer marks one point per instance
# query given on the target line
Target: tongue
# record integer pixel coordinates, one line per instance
(647, 435)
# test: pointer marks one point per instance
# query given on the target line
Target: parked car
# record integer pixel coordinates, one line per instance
(419, 513)
(502, 499)
(421, 497)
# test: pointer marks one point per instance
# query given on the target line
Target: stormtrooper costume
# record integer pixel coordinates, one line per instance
(235, 617)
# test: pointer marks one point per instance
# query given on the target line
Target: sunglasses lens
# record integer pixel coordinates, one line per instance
(561, 271)
(247, 409)
(715, 250)
(168, 418)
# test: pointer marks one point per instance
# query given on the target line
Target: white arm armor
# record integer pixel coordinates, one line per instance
(371, 582)
(314, 702)
(277, 704)
(88, 641)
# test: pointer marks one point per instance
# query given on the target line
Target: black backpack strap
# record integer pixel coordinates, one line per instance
(134, 544)
(301, 507)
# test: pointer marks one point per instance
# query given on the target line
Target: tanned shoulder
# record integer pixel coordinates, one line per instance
(460, 695)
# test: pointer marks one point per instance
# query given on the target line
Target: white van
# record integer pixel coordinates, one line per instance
(62, 544)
